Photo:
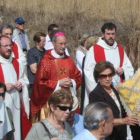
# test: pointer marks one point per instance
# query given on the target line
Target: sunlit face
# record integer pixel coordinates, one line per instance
(61, 115)
(20, 26)
(105, 78)
(42, 42)
(109, 123)
(7, 32)
(6, 47)
(60, 45)
(109, 36)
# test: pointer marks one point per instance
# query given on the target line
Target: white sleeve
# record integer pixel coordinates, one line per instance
(79, 59)
(22, 58)
(89, 65)
(127, 67)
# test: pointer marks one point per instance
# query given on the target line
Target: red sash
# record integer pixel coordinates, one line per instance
(25, 124)
(99, 55)
(16, 67)
(15, 50)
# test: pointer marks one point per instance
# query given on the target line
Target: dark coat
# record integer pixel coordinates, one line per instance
(100, 95)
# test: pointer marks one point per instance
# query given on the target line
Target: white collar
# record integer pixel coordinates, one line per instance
(3, 60)
(103, 44)
(57, 55)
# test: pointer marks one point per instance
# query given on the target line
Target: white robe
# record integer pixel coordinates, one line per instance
(79, 59)
(12, 98)
(5, 125)
(49, 45)
(111, 55)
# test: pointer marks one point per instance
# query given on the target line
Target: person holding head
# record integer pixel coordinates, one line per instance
(105, 92)
(34, 56)
(49, 45)
(7, 30)
(55, 71)
(20, 36)
(11, 73)
(98, 122)
(54, 127)
(106, 49)
(81, 51)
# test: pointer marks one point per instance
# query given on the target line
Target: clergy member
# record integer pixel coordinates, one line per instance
(11, 73)
(106, 49)
(55, 71)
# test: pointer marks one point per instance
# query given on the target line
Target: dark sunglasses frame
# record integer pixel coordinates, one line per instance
(64, 108)
(2, 94)
(106, 75)
(21, 23)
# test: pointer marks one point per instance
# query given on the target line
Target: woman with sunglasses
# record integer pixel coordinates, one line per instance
(105, 92)
(54, 127)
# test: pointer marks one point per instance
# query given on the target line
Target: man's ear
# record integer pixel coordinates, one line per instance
(102, 35)
(102, 125)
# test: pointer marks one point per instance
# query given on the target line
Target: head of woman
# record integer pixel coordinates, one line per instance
(60, 103)
(103, 73)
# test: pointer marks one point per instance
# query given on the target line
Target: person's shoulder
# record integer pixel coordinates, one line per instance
(80, 136)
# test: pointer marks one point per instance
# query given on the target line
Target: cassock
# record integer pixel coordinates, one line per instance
(5, 125)
(11, 72)
(51, 69)
(102, 51)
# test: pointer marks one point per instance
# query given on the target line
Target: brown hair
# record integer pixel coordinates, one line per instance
(60, 96)
(37, 36)
(100, 67)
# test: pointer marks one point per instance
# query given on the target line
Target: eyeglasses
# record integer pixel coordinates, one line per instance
(8, 33)
(21, 23)
(64, 108)
(8, 45)
(2, 94)
(103, 76)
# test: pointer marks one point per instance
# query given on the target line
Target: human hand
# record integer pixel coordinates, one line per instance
(119, 71)
(132, 120)
(18, 85)
(65, 82)
(9, 86)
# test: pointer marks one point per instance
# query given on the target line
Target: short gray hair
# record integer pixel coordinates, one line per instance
(94, 114)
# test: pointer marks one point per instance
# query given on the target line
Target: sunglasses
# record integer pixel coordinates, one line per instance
(2, 94)
(21, 23)
(64, 108)
(103, 76)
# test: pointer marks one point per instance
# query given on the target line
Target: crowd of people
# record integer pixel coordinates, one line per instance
(38, 86)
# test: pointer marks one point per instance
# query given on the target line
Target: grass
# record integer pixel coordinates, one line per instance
(76, 17)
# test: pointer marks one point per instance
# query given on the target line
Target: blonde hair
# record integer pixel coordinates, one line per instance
(91, 41)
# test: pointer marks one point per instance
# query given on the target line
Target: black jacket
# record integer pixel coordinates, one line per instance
(100, 95)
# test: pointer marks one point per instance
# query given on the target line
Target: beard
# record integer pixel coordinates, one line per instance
(108, 41)
(6, 56)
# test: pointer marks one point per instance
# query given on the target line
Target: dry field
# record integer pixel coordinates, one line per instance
(76, 17)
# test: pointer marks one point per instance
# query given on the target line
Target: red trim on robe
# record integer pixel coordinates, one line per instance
(99, 55)
(25, 124)
(15, 50)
